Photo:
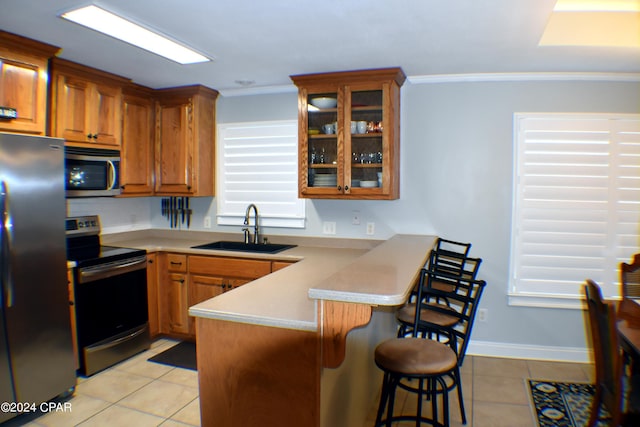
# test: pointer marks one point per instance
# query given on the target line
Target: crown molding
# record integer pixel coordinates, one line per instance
(461, 78)
(524, 77)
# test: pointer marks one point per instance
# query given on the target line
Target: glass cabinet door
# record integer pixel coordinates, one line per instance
(349, 134)
(324, 172)
(365, 142)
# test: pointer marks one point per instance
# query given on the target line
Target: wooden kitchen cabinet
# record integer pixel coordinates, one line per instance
(350, 150)
(186, 280)
(152, 294)
(138, 128)
(173, 294)
(86, 105)
(24, 71)
(279, 265)
(211, 276)
(185, 141)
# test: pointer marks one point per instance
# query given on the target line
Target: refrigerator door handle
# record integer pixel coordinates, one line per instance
(6, 297)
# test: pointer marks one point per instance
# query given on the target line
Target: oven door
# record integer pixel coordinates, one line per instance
(111, 312)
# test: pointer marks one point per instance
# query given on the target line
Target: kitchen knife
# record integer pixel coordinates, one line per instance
(188, 213)
(182, 212)
(175, 212)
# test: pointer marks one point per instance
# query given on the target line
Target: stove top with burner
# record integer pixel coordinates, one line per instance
(83, 244)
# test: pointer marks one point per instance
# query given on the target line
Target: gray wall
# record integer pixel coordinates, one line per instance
(456, 182)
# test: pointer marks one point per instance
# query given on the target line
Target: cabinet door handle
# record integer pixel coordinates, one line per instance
(176, 263)
(346, 188)
(339, 187)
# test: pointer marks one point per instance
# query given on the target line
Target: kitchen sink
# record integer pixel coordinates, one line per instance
(266, 248)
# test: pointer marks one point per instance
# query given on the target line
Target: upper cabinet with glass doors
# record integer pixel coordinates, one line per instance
(349, 134)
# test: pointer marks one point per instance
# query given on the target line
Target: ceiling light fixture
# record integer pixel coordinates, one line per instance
(115, 26)
(245, 82)
(610, 23)
(597, 6)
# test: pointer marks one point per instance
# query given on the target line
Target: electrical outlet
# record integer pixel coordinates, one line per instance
(483, 314)
(207, 222)
(328, 227)
(371, 228)
(355, 219)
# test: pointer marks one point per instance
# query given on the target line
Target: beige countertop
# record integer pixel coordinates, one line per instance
(370, 272)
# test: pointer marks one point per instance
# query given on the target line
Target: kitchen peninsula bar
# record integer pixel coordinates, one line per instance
(295, 348)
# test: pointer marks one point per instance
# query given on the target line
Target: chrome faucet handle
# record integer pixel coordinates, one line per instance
(247, 235)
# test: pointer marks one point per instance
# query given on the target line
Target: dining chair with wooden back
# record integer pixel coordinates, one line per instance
(630, 277)
(607, 357)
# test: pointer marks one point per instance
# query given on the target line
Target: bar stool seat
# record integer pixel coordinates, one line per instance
(415, 356)
(428, 361)
(407, 313)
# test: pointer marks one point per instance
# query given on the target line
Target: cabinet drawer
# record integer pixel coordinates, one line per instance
(177, 262)
(231, 267)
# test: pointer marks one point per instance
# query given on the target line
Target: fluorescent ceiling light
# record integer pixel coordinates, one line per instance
(611, 23)
(597, 6)
(112, 25)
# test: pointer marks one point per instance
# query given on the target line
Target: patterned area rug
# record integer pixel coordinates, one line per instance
(561, 404)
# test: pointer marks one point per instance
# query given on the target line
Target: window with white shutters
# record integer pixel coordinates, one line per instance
(258, 163)
(576, 211)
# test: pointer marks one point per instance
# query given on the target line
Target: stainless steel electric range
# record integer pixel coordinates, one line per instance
(110, 297)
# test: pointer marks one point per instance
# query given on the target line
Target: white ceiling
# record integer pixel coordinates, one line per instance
(266, 42)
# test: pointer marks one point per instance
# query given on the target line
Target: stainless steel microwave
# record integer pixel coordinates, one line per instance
(91, 172)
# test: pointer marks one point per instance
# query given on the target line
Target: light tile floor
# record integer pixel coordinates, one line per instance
(495, 391)
(141, 393)
(132, 393)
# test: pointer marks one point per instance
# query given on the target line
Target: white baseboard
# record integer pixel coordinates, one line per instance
(524, 351)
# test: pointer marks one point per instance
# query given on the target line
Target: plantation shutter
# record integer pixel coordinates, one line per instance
(258, 163)
(576, 208)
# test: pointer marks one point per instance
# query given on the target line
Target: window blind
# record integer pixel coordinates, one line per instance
(258, 163)
(576, 212)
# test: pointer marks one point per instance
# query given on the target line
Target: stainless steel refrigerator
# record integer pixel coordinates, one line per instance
(36, 351)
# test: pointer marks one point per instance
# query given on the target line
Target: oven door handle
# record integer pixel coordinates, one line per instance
(91, 274)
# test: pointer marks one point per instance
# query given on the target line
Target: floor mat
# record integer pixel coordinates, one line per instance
(558, 404)
(182, 355)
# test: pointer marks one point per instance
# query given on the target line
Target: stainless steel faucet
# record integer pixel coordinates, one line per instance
(256, 232)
